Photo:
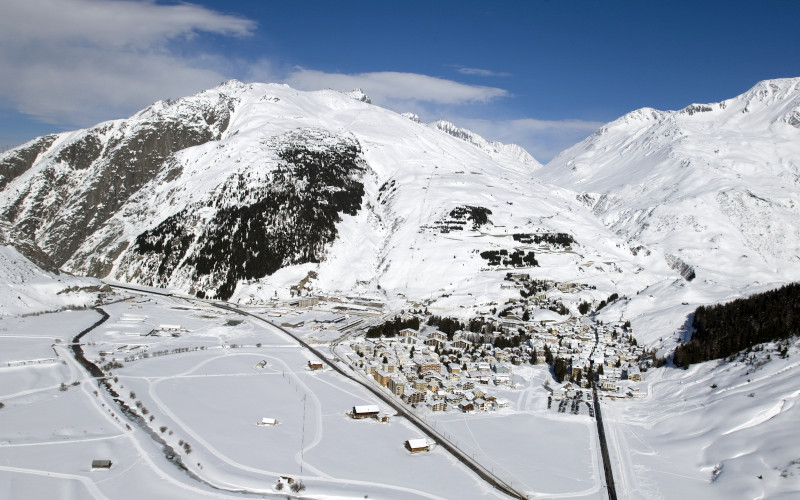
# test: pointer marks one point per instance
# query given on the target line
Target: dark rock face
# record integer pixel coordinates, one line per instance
(289, 220)
(82, 153)
(87, 180)
(21, 159)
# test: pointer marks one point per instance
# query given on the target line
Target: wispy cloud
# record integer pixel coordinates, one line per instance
(391, 88)
(482, 72)
(78, 61)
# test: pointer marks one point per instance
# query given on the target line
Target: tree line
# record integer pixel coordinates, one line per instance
(725, 329)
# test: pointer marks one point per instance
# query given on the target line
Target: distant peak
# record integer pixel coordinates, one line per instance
(411, 116)
(518, 153)
(358, 95)
(769, 91)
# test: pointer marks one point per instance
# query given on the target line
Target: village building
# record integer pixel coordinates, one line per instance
(466, 407)
(396, 385)
(365, 411)
(414, 397)
(417, 445)
(382, 378)
(438, 406)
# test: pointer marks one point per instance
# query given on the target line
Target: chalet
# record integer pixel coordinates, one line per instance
(454, 399)
(466, 407)
(407, 332)
(267, 421)
(429, 365)
(502, 368)
(634, 374)
(482, 404)
(315, 365)
(365, 411)
(609, 385)
(436, 334)
(416, 445)
(101, 464)
(410, 340)
(433, 342)
(461, 344)
(365, 348)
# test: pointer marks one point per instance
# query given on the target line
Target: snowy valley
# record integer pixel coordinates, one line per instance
(249, 244)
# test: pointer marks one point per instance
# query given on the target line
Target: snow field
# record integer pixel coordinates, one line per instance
(213, 398)
(687, 438)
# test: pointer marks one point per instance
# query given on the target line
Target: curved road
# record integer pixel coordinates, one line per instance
(473, 465)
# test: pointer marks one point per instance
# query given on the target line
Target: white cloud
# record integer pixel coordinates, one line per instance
(394, 89)
(482, 72)
(79, 61)
(543, 139)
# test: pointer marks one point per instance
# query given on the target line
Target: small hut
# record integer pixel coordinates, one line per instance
(101, 464)
(365, 411)
(417, 445)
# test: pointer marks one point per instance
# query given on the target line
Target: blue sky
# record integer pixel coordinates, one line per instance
(543, 74)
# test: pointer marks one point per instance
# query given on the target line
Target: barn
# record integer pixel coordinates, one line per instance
(417, 445)
(365, 411)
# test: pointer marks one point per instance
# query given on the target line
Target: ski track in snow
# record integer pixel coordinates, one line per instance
(91, 486)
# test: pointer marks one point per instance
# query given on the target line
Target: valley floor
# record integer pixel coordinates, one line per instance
(201, 380)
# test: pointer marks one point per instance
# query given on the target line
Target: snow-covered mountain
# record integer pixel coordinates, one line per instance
(508, 153)
(248, 191)
(252, 191)
(712, 187)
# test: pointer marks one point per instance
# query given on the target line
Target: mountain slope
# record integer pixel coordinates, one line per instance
(66, 186)
(714, 187)
(27, 289)
(248, 191)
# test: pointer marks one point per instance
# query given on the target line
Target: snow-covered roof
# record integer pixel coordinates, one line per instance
(417, 443)
(366, 409)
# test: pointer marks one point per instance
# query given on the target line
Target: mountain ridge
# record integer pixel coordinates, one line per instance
(430, 201)
(711, 184)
